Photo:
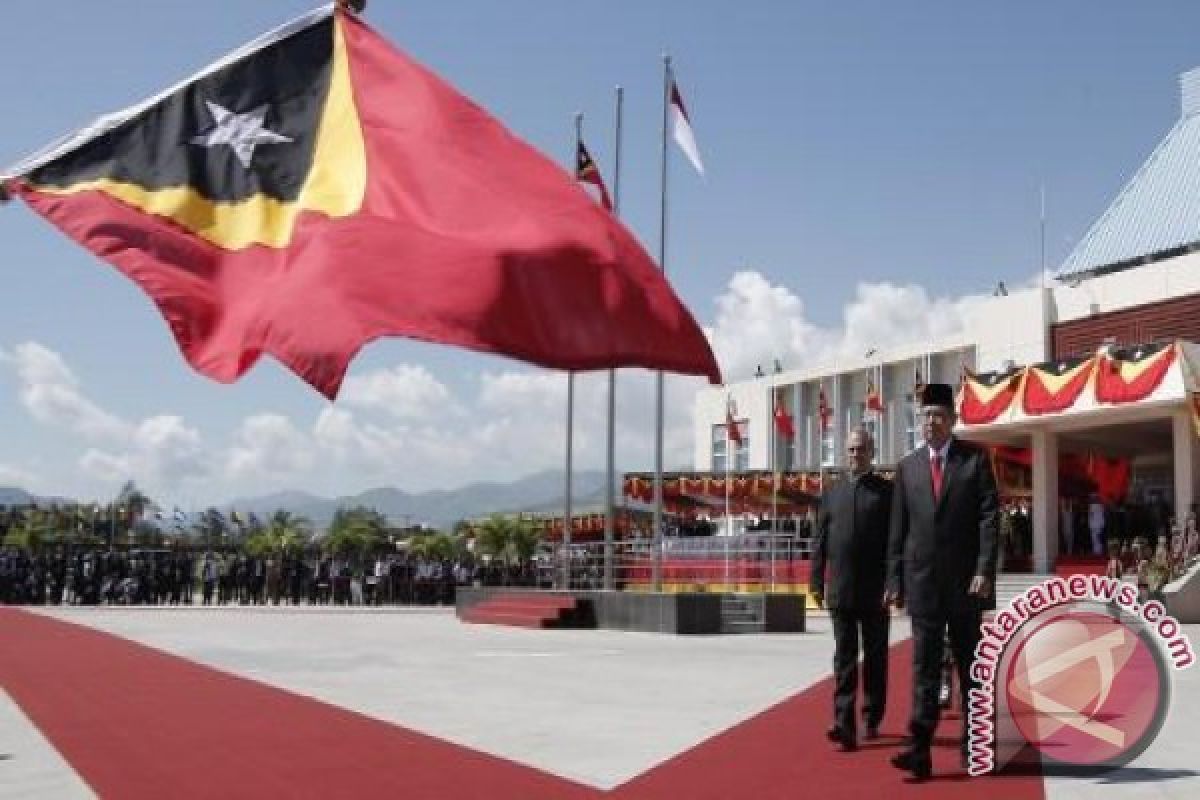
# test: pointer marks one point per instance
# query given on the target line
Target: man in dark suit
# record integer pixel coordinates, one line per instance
(941, 561)
(851, 538)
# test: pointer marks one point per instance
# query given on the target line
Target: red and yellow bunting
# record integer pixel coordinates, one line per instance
(1055, 385)
(985, 396)
(1131, 374)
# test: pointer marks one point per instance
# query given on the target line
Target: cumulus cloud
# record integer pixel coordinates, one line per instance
(52, 395)
(758, 322)
(405, 392)
(11, 475)
(162, 452)
(269, 446)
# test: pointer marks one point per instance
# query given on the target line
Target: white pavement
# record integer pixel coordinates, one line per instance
(29, 765)
(595, 706)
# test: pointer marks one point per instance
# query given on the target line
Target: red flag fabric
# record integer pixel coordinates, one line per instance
(823, 410)
(586, 171)
(731, 424)
(987, 395)
(1130, 374)
(874, 399)
(784, 422)
(320, 190)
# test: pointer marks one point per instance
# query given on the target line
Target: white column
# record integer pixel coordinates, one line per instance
(1045, 499)
(838, 419)
(1183, 441)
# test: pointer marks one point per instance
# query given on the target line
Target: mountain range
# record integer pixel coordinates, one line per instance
(541, 492)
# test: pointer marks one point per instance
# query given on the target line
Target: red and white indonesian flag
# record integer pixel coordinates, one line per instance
(682, 129)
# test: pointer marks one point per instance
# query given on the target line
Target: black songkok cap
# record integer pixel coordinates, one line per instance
(938, 394)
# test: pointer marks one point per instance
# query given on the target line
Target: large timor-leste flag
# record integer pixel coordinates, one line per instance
(1055, 385)
(987, 395)
(1129, 374)
(317, 189)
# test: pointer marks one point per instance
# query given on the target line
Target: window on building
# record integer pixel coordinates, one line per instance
(828, 455)
(741, 456)
(912, 426)
(718, 448)
(870, 423)
(720, 452)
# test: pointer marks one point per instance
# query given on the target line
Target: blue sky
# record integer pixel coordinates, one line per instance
(858, 153)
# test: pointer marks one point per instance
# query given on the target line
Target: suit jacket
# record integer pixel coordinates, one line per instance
(937, 545)
(851, 539)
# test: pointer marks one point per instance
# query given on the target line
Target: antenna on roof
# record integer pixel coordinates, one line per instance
(1042, 271)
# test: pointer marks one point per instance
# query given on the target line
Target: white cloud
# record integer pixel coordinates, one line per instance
(269, 446)
(11, 475)
(758, 322)
(404, 392)
(162, 453)
(51, 393)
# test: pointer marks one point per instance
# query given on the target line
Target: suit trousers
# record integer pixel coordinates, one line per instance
(929, 642)
(847, 626)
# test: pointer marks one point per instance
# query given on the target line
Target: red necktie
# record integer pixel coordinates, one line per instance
(935, 471)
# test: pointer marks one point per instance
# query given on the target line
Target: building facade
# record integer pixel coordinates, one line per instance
(1133, 280)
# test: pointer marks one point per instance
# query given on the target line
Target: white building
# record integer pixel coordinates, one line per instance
(1134, 279)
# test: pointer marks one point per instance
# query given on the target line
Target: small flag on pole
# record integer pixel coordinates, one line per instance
(682, 129)
(874, 397)
(731, 425)
(586, 171)
(784, 422)
(823, 410)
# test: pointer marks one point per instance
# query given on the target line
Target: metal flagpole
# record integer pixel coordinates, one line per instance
(730, 421)
(611, 445)
(658, 385)
(773, 428)
(568, 522)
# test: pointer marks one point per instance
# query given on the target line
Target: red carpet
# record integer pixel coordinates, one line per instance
(139, 723)
(783, 753)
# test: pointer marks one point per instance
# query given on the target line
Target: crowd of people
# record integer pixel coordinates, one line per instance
(93, 576)
(1152, 565)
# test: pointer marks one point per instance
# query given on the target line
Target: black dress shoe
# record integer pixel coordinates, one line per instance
(914, 761)
(838, 736)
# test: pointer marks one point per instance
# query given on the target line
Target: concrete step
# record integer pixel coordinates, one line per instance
(486, 617)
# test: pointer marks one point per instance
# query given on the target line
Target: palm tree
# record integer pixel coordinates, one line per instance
(495, 537)
(527, 535)
(28, 534)
(356, 532)
(210, 528)
(288, 532)
(133, 500)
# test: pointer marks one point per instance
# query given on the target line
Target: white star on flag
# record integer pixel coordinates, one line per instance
(682, 129)
(243, 132)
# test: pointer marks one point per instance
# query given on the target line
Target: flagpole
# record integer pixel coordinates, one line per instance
(730, 421)
(771, 426)
(611, 444)
(658, 378)
(568, 522)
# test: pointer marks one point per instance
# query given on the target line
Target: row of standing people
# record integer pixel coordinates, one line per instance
(99, 577)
